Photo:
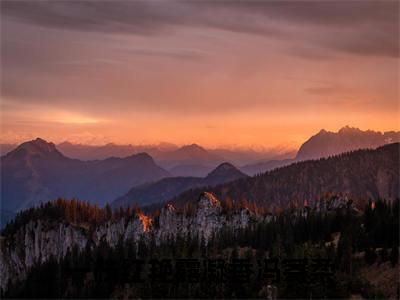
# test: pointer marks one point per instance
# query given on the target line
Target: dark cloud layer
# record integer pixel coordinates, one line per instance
(359, 27)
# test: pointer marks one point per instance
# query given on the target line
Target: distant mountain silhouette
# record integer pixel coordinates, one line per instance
(326, 143)
(189, 160)
(225, 172)
(190, 152)
(188, 155)
(36, 171)
(168, 188)
(88, 152)
(360, 174)
(167, 151)
(36, 148)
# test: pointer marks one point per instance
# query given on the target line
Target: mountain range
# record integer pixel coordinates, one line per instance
(170, 153)
(36, 171)
(194, 160)
(167, 188)
(188, 160)
(361, 175)
(327, 143)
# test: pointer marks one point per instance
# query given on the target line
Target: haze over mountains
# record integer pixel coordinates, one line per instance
(194, 160)
(327, 143)
(37, 171)
(166, 152)
(188, 160)
(362, 175)
(168, 188)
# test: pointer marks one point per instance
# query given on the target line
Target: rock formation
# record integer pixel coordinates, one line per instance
(39, 240)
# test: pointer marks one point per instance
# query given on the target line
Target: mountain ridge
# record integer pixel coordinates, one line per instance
(362, 174)
(170, 187)
(36, 171)
(327, 143)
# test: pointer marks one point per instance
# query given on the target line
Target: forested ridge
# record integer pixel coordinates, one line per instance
(362, 174)
(351, 240)
(328, 209)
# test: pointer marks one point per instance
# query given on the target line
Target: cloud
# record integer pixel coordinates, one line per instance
(172, 66)
(103, 16)
(357, 27)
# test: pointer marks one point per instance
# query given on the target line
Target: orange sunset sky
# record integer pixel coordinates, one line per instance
(226, 73)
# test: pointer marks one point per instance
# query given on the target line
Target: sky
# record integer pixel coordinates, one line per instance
(221, 73)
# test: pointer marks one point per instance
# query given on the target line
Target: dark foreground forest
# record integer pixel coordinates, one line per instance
(299, 253)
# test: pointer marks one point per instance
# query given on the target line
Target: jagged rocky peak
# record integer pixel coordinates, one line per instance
(37, 147)
(327, 143)
(348, 130)
(344, 130)
(208, 200)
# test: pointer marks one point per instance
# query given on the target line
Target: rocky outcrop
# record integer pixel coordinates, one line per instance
(207, 220)
(35, 244)
(37, 241)
(327, 205)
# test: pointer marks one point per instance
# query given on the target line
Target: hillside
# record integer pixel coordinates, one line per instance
(361, 174)
(36, 172)
(168, 188)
